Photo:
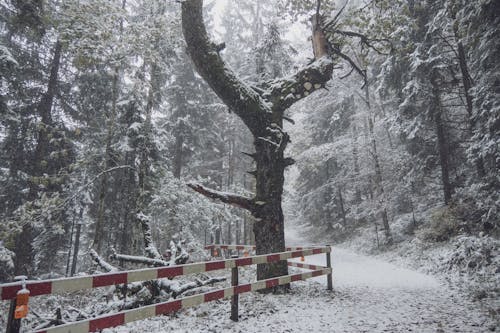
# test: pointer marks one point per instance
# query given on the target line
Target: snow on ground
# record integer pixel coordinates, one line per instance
(369, 295)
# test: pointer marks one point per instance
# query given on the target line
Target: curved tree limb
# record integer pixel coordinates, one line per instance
(238, 96)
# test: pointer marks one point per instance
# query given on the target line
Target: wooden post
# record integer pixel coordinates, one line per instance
(211, 243)
(329, 280)
(13, 325)
(234, 300)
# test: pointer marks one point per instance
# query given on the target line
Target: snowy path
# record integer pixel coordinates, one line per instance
(369, 296)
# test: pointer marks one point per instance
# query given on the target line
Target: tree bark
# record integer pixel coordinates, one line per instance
(262, 112)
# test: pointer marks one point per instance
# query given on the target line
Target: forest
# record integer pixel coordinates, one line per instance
(135, 132)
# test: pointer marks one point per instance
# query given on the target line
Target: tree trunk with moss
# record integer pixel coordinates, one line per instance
(262, 110)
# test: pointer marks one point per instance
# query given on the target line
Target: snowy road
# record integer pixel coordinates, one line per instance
(369, 296)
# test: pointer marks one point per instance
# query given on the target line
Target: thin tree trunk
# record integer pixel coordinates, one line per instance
(341, 205)
(378, 169)
(178, 156)
(357, 192)
(442, 144)
(77, 243)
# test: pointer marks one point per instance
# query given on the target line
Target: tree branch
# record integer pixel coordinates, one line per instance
(286, 91)
(139, 260)
(231, 199)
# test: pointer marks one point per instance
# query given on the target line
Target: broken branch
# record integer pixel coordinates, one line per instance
(231, 199)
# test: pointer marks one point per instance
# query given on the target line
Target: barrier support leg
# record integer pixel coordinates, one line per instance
(234, 300)
(329, 280)
(13, 325)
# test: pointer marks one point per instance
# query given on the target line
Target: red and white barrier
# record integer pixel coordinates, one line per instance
(125, 317)
(46, 287)
(250, 247)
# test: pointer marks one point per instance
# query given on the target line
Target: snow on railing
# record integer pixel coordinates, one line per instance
(9, 291)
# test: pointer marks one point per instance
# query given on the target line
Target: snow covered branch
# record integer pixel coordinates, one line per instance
(285, 92)
(228, 198)
(149, 246)
(101, 262)
(139, 260)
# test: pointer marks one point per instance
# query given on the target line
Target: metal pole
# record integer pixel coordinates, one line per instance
(234, 300)
(329, 280)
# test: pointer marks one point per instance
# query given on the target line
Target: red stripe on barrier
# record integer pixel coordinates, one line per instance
(168, 307)
(273, 257)
(36, 289)
(317, 273)
(296, 254)
(296, 277)
(169, 272)
(317, 251)
(106, 322)
(213, 295)
(272, 283)
(243, 261)
(41, 288)
(214, 265)
(243, 288)
(109, 279)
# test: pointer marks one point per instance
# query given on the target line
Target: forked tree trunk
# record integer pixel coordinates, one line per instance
(261, 110)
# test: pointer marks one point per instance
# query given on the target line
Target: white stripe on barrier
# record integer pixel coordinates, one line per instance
(143, 275)
(228, 292)
(139, 314)
(193, 300)
(83, 327)
(285, 279)
(68, 285)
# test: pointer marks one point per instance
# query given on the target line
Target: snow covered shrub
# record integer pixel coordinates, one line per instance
(477, 259)
(6, 264)
(443, 225)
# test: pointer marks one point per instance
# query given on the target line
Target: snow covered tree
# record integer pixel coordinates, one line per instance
(262, 110)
